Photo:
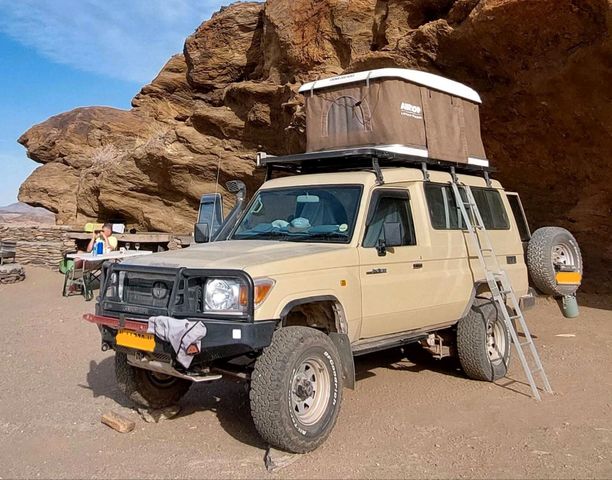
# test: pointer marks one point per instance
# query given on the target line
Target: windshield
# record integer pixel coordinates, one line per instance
(324, 214)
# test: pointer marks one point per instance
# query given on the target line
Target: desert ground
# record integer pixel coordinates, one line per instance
(409, 416)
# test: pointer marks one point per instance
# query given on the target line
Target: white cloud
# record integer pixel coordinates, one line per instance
(125, 39)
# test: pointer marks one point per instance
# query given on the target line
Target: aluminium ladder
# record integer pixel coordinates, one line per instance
(499, 284)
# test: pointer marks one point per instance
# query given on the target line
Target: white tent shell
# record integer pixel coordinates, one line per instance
(426, 79)
(402, 110)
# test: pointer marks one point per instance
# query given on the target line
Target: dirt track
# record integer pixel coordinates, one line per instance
(406, 418)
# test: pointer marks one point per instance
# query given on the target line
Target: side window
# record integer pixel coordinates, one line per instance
(491, 208)
(389, 207)
(347, 115)
(443, 210)
(519, 215)
(446, 215)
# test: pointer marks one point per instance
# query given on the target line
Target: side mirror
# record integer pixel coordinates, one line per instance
(210, 217)
(201, 233)
(393, 234)
(381, 247)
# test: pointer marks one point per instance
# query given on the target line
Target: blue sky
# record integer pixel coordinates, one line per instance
(61, 54)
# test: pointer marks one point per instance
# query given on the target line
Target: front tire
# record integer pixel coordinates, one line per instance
(148, 389)
(296, 389)
(483, 342)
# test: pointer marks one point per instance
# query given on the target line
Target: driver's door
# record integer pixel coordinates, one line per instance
(389, 298)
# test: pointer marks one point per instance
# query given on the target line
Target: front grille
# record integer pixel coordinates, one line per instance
(140, 289)
(147, 289)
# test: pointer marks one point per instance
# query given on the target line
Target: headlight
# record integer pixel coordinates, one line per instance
(225, 296)
(228, 295)
(160, 290)
(114, 286)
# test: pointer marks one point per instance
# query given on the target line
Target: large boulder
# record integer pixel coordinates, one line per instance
(542, 68)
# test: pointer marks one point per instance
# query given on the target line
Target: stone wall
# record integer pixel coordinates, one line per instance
(40, 245)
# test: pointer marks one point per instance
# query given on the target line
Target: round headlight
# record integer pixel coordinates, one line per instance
(222, 295)
(160, 290)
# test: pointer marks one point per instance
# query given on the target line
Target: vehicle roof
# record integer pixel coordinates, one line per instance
(391, 175)
(435, 82)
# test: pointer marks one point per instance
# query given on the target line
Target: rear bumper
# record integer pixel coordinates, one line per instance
(224, 339)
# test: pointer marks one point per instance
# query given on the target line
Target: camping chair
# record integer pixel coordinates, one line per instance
(7, 252)
(80, 280)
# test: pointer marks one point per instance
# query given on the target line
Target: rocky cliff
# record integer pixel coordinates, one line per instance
(542, 67)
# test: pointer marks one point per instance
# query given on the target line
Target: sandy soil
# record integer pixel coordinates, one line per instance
(407, 418)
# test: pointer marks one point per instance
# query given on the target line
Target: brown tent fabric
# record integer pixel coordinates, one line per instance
(471, 117)
(393, 111)
(444, 126)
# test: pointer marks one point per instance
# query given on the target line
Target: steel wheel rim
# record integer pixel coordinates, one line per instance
(310, 388)
(496, 341)
(562, 254)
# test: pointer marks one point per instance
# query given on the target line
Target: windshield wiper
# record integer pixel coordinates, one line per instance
(322, 236)
(271, 235)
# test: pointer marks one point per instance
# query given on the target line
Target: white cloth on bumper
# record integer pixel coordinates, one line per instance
(180, 334)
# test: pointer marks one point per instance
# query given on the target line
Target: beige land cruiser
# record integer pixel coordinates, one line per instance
(362, 249)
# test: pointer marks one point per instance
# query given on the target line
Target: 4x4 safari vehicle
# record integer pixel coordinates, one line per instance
(362, 244)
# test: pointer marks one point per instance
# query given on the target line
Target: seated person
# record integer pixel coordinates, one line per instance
(106, 235)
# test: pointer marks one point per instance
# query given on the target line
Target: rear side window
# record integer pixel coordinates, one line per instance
(446, 215)
(443, 210)
(491, 208)
(519, 215)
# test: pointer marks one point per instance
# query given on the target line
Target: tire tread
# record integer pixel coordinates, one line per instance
(267, 392)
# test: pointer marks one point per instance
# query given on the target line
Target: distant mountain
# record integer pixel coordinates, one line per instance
(23, 213)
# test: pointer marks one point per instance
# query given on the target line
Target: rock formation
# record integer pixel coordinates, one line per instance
(542, 68)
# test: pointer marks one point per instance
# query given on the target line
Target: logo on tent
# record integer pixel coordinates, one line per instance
(410, 110)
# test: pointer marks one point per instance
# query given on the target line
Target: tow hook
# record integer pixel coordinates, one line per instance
(105, 346)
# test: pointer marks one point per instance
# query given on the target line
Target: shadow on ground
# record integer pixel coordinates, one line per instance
(229, 400)
(411, 358)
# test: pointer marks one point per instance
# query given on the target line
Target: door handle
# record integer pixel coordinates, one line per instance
(417, 265)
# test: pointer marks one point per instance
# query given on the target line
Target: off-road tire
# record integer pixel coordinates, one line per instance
(272, 384)
(472, 347)
(142, 388)
(540, 259)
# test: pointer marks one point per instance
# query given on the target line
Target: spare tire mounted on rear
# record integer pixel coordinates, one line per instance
(554, 261)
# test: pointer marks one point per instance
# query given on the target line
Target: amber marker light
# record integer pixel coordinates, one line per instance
(243, 296)
(343, 283)
(263, 286)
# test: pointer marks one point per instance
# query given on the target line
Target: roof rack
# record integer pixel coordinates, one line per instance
(369, 158)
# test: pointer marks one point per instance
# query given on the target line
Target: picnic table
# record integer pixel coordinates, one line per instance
(90, 269)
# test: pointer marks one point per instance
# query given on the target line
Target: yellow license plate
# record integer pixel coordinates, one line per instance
(568, 278)
(139, 341)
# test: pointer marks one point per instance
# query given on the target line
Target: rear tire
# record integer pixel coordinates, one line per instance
(483, 342)
(296, 389)
(550, 246)
(148, 389)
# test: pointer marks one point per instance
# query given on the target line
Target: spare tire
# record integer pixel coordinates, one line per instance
(552, 250)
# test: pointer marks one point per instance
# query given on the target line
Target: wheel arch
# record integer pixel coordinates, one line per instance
(479, 287)
(339, 315)
(330, 307)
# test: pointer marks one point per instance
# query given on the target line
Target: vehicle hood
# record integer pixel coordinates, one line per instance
(257, 257)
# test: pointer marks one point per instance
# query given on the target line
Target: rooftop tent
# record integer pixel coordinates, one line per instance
(407, 111)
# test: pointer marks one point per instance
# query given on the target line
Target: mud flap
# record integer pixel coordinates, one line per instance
(343, 345)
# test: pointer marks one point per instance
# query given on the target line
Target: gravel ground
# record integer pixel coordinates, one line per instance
(408, 417)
